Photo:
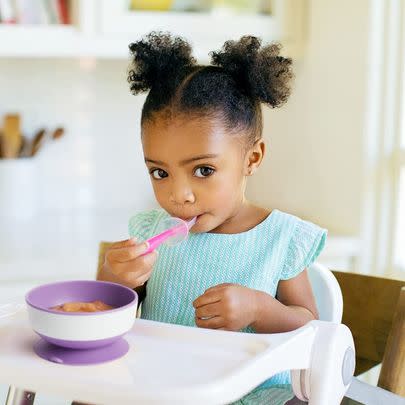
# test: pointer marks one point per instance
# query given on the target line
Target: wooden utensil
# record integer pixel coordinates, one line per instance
(37, 141)
(11, 139)
(58, 133)
(25, 150)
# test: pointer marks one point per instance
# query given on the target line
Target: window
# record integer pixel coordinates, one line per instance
(383, 238)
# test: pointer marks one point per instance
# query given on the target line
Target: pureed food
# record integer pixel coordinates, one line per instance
(77, 306)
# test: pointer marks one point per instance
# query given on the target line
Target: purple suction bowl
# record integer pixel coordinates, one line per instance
(43, 297)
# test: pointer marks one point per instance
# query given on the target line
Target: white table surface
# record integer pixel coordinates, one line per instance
(184, 364)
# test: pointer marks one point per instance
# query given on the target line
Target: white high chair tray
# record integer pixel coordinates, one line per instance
(165, 364)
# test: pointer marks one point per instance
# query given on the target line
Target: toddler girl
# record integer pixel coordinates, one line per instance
(243, 267)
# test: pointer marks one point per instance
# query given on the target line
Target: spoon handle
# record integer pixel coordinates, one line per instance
(157, 240)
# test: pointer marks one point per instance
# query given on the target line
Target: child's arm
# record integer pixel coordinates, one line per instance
(294, 307)
(234, 307)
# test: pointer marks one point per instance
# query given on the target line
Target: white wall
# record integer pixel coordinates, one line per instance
(315, 157)
(81, 189)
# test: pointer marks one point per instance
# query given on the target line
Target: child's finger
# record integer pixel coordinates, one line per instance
(208, 310)
(207, 298)
(139, 265)
(123, 243)
(127, 253)
(137, 279)
(216, 322)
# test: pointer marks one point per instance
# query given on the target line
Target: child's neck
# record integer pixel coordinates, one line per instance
(247, 217)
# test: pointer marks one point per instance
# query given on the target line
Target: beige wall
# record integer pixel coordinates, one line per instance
(314, 161)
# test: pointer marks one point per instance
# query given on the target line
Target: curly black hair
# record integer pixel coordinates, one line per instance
(242, 75)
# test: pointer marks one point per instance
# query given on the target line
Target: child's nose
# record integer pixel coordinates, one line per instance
(181, 194)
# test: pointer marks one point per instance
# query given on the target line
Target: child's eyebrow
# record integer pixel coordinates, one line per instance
(185, 161)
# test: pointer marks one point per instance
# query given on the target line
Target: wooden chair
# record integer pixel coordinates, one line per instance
(374, 311)
(102, 247)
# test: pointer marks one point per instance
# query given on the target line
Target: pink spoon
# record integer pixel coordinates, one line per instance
(176, 230)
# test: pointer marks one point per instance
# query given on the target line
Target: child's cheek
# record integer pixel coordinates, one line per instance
(160, 196)
(222, 200)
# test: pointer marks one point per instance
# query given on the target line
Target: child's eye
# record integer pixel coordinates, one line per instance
(203, 171)
(158, 174)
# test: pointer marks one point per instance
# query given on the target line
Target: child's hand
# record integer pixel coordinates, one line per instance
(226, 306)
(124, 260)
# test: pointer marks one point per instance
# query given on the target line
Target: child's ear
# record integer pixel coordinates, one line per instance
(254, 157)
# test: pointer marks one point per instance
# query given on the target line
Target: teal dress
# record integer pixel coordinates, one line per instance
(278, 248)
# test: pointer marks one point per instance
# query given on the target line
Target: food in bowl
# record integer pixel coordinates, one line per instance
(77, 306)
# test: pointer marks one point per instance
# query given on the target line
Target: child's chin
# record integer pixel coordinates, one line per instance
(197, 229)
(202, 228)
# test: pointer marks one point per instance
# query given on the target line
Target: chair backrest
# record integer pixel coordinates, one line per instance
(102, 247)
(374, 311)
(328, 295)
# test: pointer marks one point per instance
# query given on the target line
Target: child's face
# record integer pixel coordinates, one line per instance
(197, 169)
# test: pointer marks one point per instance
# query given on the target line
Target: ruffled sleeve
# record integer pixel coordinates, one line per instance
(305, 245)
(143, 225)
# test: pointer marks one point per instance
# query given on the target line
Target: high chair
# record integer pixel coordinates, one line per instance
(328, 297)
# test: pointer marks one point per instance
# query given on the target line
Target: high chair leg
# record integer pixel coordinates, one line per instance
(18, 396)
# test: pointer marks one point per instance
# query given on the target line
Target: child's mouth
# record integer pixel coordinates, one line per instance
(190, 218)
